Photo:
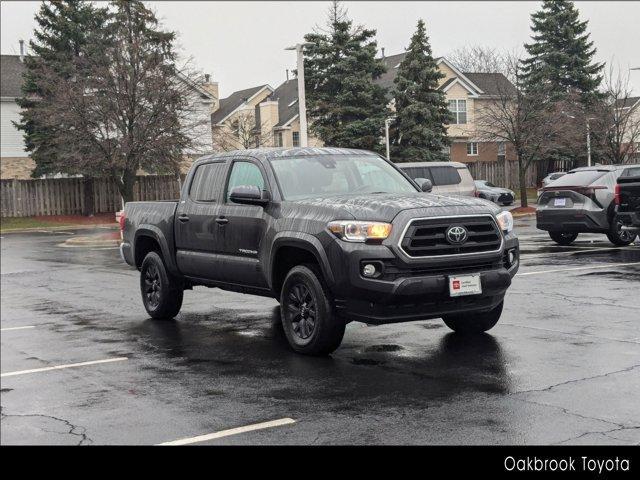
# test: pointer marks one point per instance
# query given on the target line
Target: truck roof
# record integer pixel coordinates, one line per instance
(431, 164)
(272, 153)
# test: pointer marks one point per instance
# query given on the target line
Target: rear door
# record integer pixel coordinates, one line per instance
(244, 227)
(199, 241)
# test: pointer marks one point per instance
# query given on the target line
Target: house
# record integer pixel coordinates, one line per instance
(466, 93)
(15, 161)
(629, 121)
(259, 116)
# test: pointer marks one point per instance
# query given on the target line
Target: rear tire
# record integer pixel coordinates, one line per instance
(563, 238)
(308, 317)
(474, 322)
(161, 292)
(619, 237)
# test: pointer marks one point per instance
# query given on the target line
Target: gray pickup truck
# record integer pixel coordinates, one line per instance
(335, 235)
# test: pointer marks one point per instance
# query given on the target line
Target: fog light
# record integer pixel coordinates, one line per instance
(512, 257)
(369, 270)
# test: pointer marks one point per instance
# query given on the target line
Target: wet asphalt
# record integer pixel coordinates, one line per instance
(561, 367)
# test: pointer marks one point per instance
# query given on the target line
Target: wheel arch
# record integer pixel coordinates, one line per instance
(148, 238)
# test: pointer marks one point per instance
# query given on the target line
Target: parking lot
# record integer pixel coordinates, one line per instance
(83, 364)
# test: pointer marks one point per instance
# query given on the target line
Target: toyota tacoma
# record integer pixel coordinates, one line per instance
(335, 235)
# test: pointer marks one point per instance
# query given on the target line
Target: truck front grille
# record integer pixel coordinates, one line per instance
(426, 237)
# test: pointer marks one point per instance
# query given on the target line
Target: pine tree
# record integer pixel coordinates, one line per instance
(346, 108)
(64, 32)
(561, 54)
(421, 109)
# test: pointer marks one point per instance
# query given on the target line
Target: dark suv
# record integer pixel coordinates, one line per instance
(335, 235)
(582, 201)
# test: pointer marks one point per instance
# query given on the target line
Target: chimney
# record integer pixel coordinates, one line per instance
(382, 52)
(21, 42)
(287, 72)
(207, 78)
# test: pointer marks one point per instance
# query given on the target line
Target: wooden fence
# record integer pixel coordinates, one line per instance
(501, 176)
(65, 196)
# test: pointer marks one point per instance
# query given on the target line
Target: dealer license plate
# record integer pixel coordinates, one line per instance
(465, 285)
(560, 202)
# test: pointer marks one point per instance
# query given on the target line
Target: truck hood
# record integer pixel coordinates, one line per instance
(384, 207)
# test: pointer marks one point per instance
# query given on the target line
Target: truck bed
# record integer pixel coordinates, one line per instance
(156, 217)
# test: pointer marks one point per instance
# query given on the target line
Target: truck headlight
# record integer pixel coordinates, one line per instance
(505, 221)
(357, 231)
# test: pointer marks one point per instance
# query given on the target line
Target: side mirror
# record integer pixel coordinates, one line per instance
(249, 195)
(424, 184)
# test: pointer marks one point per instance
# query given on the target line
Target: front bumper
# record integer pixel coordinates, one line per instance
(415, 289)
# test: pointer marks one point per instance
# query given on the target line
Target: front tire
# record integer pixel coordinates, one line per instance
(563, 238)
(308, 318)
(474, 322)
(619, 237)
(161, 292)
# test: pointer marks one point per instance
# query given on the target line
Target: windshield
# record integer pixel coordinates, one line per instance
(326, 175)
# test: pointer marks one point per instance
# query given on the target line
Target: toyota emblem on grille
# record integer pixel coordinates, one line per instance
(456, 235)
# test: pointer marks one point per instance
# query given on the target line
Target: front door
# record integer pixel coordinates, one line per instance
(198, 230)
(244, 227)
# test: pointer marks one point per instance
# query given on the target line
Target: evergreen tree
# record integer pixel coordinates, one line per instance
(561, 54)
(421, 109)
(63, 34)
(346, 108)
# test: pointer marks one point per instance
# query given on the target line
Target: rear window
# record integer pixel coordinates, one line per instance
(207, 182)
(445, 176)
(438, 175)
(631, 172)
(581, 178)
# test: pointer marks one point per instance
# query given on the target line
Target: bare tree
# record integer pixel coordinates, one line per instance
(127, 106)
(532, 124)
(616, 123)
(479, 59)
(242, 132)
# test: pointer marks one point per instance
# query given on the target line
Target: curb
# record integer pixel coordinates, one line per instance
(108, 226)
(90, 242)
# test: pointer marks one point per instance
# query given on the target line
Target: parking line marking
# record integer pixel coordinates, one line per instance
(231, 431)
(9, 329)
(577, 268)
(60, 367)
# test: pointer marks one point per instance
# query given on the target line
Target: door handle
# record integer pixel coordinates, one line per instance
(222, 220)
(183, 218)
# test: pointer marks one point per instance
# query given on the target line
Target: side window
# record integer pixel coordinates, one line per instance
(207, 182)
(631, 172)
(244, 173)
(418, 172)
(445, 176)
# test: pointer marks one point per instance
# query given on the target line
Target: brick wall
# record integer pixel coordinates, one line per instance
(16, 167)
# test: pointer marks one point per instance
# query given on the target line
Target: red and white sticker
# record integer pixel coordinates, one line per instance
(465, 285)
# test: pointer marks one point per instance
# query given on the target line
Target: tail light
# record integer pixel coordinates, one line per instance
(476, 193)
(616, 194)
(121, 219)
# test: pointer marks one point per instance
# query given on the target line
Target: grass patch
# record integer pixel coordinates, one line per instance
(8, 224)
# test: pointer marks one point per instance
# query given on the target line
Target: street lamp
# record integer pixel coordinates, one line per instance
(387, 122)
(302, 103)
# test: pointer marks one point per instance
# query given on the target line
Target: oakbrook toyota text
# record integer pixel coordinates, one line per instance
(569, 464)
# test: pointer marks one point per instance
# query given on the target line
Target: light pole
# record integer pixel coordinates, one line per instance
(302, 103)
(387, 122)
(588, 137)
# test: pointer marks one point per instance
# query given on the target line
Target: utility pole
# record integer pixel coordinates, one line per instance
(302, 102)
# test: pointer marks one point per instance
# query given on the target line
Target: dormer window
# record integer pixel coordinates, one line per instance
(458, 109)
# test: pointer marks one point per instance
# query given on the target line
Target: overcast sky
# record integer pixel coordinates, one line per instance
(242, 43)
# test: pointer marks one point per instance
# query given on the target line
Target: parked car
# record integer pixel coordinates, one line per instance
(499, 195)
(447, 178)
(550, 178)
(627, 200)
(335, 235)
(582, 201)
